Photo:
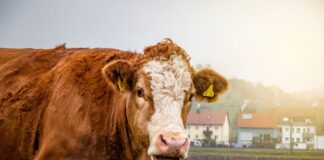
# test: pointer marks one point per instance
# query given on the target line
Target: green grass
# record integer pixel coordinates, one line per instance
(268, 153)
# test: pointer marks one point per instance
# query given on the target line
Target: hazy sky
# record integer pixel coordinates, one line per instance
(275, 42)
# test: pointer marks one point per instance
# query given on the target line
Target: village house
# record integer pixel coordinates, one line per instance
(319, 137)
(255, 130)
(281, 128)
(295, 127)
(299, 130)
(208, 126)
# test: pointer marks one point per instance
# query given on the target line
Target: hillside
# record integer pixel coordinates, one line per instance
(317, 93)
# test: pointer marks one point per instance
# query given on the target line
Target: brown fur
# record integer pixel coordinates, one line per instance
(57, 104)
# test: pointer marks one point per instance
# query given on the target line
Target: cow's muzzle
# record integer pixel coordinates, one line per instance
(171, 146)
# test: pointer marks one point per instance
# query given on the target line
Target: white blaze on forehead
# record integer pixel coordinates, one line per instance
(170, 79)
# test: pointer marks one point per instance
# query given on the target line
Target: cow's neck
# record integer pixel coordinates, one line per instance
(131, 149)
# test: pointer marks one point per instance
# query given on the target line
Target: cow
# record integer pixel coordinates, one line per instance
(99, 103)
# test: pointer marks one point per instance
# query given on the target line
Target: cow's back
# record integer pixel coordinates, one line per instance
(25, 75)
(33, 82)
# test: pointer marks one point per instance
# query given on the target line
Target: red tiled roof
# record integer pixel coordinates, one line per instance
(258, 120)
(207, 117)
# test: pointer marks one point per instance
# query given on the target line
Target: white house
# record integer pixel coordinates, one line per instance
(205, 124)
(302, 131)
(302, 123)
(319, 140)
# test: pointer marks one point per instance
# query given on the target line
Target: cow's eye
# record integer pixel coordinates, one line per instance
(140, 92)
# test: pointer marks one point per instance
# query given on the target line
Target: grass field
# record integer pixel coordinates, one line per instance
(247, 154)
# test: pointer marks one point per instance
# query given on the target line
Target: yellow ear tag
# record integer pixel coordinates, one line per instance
(121, 85)
(209, 92)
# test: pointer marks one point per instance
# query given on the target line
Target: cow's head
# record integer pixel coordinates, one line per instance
(159, 87)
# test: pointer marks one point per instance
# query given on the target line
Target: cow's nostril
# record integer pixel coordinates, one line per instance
(163, 140)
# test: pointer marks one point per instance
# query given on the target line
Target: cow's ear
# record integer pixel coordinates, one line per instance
(120, 73)
(209, 85)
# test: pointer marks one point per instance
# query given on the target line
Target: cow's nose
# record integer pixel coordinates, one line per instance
(172, 144)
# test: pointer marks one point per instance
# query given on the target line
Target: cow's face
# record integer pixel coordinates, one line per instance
(159, 98)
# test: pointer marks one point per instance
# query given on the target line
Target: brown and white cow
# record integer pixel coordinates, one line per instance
(82, 103)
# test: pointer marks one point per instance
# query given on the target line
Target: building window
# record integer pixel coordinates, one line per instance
(247, 116)
(246, 136)
(216, 127)
(188, 126)
(308, 129)
(287, 139)
(298, 130)
(298, 140)
(307, 120)
(287, 129)
(216, 137)
(197, 127)
(196, 136)
(286, 119)
(292, 130)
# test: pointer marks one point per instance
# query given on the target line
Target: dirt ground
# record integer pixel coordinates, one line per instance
(211, 157)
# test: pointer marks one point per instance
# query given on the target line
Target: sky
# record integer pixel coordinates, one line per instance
(274, 42)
